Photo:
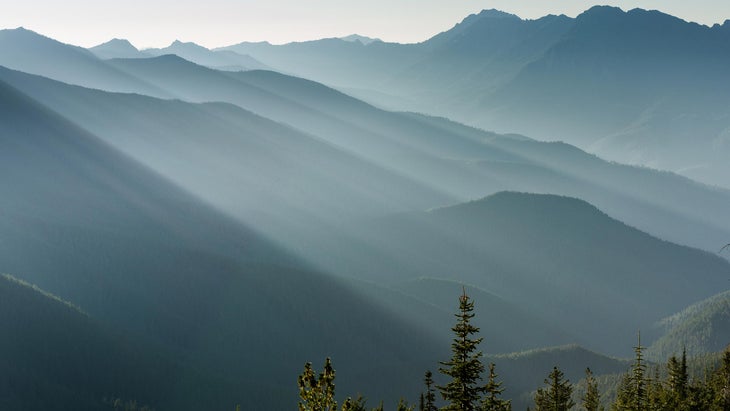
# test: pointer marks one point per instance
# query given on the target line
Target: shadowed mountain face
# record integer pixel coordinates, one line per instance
(146, 259)
(54, 357)
(554, 256)
(640, 87)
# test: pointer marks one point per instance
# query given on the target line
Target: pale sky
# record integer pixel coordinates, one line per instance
(213, 23)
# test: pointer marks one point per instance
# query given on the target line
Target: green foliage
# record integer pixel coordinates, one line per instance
(633, 394)
(463, 391)
(429, 398)
(317, 394)
(493, 390)
(721, 383)
(557, 396)
(591, 400)
(698, 329)
(403, 405)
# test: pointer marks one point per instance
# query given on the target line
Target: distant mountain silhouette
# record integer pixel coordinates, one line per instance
(25, 50)
(364, 40)
(224, 60)
(640, 87)
(117, 48)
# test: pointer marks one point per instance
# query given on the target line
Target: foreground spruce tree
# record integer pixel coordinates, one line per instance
(632, 394)
(557, 395)
(463, 391)
(492, 391)
(429, 399)
(591, 399)
(317, 394)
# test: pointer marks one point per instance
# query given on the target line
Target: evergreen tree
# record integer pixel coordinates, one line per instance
(430, 397)
(657, 396)
(721, 383)
(317, 394)
(403, 405)
(676, 396)
(492, 391)
(591, 399)
(463, 391)
(557, 395)
(624, 394)
(638, 379)
(632, 393)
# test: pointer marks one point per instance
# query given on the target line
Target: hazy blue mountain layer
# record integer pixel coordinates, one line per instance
(640, 87)
(24, 50)
(221, 59)
(456, 163)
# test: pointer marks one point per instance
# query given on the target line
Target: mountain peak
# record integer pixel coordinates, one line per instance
(603, 11)
(497, 14)
(186, 45)
(362, 39)
(117, 44)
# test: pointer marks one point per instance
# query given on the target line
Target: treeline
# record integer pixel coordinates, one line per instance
(642, 388)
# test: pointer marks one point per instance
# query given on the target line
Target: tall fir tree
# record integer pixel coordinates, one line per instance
(591, 399)
(463, 391)
(624, 394)
(677, 392)
(638, 378)
(557, 396)
(492, 392)
(430, 395)
(632, 393)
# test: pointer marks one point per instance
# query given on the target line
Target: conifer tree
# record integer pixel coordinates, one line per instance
(463, 391)
(317, 394)
(638, 379)
(493, 390)
(557, 396)
(403, 405)
(624, 394)
(591, 399)
(657, 396)
(721, 383)
(676, 397)
(632, 393)
(430, 396)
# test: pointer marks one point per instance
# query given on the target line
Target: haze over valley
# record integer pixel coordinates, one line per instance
(183, 228)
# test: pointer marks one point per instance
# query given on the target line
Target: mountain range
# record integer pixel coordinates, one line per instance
(196, 215)
(639, 87)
